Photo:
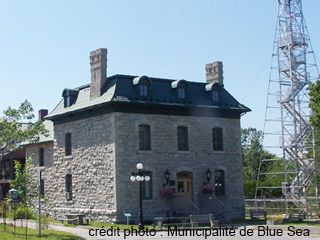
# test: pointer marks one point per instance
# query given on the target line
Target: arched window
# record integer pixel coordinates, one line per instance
(182, 137)
(146, 187)
(215, 90)
(41, 157)
(181, 86)
(69, 187)
(70, 96)
(144, 84)
(144, 137)
(217, 139)
(215, 96)
(68, 146)
(219, 183)
(143, 90)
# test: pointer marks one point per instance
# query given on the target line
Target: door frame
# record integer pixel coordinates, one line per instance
(186, 178)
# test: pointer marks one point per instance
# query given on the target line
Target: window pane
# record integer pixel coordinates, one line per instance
(147, 187)
(219, 183)
(143, 90)
(215, 96)
(68, 147)
(217, 139)
(144, 137)
(41, 157)
(67, 101)
(180, 187)
(69, 187)
(181, 93)
(182, 133)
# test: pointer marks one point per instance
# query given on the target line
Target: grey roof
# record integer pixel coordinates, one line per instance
(49, 126)
(125, 89)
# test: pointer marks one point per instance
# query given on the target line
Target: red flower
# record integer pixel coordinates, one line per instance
(166, 193)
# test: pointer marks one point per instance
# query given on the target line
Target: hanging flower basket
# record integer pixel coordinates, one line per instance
(208, 190)
(166, 193)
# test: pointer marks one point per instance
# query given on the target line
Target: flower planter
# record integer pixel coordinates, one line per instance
(166, 193)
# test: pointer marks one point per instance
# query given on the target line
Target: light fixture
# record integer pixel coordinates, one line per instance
(147, 178)
(167, 176)
(140, 176)
(208, 175)
(139, 166)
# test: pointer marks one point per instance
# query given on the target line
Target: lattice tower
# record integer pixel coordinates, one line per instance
(287, 130)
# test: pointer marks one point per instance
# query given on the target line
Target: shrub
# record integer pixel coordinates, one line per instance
(44, 222)
(23, 213)
(275, 217)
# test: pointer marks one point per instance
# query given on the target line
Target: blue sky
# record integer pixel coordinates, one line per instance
(45, 45)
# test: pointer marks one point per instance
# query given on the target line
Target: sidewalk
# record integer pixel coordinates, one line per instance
(95, 233)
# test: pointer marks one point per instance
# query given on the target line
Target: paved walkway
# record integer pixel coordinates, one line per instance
(279, 232)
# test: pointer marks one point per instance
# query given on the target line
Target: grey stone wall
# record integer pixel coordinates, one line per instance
(33, 151)
(105, 149)
(164, 155)
(91, 166)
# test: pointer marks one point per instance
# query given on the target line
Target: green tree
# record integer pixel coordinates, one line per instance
(18, 126)
(24, 182)
(253, 152)
(314, 93)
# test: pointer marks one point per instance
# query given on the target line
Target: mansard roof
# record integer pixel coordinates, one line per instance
(124, 89)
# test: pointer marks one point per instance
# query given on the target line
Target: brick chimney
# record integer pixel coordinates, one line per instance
(98, 62)
(214, 73)
(42, 113)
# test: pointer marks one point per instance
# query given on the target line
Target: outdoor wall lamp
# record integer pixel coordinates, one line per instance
(167, 176)
(208, 175)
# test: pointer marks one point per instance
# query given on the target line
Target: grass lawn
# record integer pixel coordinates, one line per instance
(34, 234)
(301, 224)
(121, 226)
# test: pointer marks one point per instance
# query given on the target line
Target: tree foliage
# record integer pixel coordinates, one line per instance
(253, 152)
(314, 93)
(17, 126)
(24, 182)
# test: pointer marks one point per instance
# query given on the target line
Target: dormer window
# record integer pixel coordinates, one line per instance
(180, 87)
(215, 90)
(142, 85)
(143, 90)
(70, 97)
(215, 96)
(181, 93)
(67, 101)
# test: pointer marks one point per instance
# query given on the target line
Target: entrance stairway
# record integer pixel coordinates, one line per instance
(183, 206)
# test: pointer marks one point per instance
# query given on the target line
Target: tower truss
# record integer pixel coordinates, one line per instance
(290, 179)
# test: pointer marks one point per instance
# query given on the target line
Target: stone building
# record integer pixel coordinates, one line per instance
(181, 131)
